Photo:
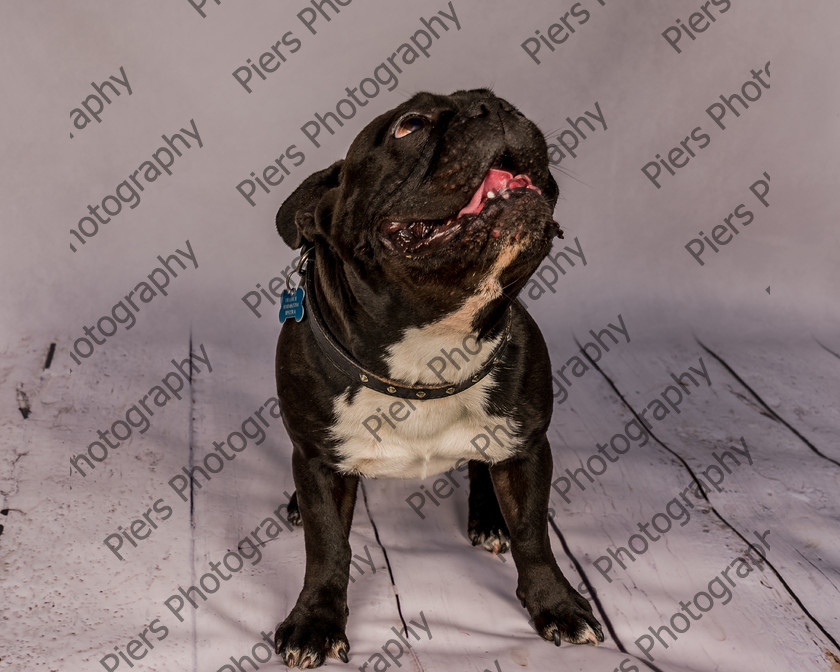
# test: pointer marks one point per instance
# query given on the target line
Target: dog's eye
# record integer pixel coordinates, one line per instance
(409, 124)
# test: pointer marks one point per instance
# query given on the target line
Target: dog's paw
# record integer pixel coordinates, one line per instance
(571, 620)
(307, 643)
(487, 528)
(293, 511)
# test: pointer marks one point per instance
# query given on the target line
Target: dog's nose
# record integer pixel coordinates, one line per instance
(480, 108)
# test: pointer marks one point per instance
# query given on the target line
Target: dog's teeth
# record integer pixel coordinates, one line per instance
(491, 194)
(405, 237)
(420, 229)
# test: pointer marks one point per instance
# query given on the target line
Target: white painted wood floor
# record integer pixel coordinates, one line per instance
(71, 604)
(757, 317)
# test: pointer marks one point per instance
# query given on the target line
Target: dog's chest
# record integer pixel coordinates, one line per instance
(380, 436)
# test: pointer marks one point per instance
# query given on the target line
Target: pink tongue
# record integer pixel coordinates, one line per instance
(495, 181)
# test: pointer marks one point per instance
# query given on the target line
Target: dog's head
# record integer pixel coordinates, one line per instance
(438, 200)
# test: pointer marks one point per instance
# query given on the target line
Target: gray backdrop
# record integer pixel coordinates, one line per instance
(695, 144)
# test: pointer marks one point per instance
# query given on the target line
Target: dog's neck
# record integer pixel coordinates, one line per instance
(432, 349)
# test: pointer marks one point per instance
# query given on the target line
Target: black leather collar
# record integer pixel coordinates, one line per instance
(345, 362)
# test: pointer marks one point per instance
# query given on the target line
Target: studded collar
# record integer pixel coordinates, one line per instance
(347, 364)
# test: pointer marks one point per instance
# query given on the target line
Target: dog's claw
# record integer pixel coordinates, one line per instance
(594, 636)
(293, 511)
(306, 643)
(571, 620)
(496, 541)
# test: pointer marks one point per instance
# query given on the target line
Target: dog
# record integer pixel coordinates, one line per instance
(418, 242)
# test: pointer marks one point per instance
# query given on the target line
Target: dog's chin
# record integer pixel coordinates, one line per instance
(504, 211)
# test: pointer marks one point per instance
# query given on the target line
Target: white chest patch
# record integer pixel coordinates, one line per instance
(379, 435)
(403, 438)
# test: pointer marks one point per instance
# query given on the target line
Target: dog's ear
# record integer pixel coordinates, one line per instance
(297, 218)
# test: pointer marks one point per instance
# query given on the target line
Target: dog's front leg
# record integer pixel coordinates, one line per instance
(315, 627)
(522, 486)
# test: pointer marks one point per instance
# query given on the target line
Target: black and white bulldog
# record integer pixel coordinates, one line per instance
(418, 241)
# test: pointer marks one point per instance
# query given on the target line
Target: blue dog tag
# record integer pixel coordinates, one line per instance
(291, 304)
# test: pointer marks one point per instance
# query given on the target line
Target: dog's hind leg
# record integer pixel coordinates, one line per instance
(486, 525)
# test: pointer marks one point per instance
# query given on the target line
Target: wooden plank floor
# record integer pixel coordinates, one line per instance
(756, 427)
(696, 462)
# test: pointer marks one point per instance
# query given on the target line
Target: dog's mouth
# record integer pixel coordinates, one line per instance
(498, 185)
